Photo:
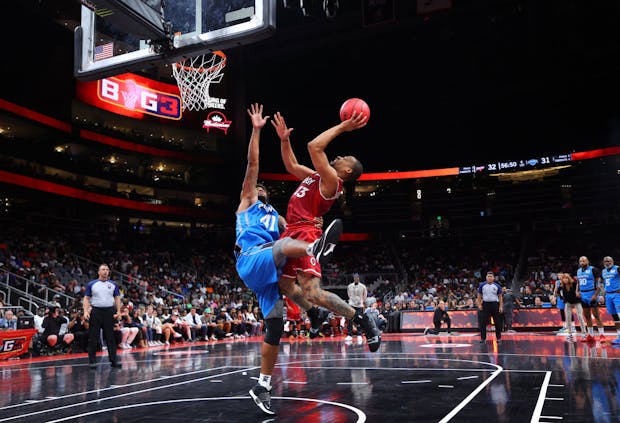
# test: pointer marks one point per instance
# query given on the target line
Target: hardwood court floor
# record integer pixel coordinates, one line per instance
(529, 377)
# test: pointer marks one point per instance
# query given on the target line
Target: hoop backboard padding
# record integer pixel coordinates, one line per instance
(204, 26)
(195, 74)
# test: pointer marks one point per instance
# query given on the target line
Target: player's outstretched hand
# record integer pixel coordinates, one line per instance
(256, 114)
(283, 131)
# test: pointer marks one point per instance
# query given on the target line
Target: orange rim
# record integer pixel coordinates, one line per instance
(202, 70)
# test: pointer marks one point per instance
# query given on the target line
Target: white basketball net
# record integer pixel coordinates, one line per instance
(195, 74)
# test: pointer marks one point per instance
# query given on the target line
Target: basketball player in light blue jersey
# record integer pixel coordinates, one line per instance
(612, 292)
(261, 255)
(589, 277)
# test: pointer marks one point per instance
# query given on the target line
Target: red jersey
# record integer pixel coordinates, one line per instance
(305, 204)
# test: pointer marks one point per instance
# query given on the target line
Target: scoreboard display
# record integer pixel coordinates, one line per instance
(517, 165)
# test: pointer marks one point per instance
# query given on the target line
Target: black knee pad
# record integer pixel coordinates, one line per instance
(274, 329)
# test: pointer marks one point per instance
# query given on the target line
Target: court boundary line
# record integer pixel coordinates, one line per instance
(541, 398)
(472, 395)
(109, 388)
(360, 414)
(99, 400)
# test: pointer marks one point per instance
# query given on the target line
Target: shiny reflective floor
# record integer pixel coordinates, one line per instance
(529, 377)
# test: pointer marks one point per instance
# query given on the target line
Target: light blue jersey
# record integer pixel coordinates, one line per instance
(587, 285)
(587, 281)
(612, 289)
(559, 301)
(611, 278)
(256, 231)
(257, 225)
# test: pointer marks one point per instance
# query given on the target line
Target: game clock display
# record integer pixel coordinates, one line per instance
(517, 165)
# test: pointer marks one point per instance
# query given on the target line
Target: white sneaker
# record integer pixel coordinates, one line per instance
(348, 338)
(166, 343)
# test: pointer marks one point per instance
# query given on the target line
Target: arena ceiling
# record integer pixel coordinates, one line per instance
(481, 80)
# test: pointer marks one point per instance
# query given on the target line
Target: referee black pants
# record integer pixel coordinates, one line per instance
(490, 309)
(101, 318)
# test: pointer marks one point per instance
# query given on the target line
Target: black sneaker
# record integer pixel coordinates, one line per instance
(323, 248)
(314, 333)
(261, 397)
(373, 335)
(116, 365)
(315, 322)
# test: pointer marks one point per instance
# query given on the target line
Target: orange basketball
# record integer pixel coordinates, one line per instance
(354, 105)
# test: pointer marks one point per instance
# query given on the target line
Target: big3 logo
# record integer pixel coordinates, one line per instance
(10, 345)
(126, 93)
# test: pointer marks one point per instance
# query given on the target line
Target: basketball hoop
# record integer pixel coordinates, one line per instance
(195, 74)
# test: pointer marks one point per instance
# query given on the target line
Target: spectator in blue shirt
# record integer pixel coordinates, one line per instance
(9, 321)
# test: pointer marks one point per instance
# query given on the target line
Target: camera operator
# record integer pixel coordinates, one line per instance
(78, 326)
(52, 325)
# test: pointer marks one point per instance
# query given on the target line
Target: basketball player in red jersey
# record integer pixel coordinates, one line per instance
(314, 196)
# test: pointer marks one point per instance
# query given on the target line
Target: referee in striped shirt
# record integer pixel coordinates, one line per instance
(490, 303)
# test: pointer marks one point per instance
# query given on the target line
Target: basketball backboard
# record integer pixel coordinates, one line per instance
(117, 36)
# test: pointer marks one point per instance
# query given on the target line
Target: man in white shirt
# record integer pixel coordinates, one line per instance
(38, 319)
(357, 299)
(196, 327)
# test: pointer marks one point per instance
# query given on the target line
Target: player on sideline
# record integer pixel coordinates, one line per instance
(260, 254)
(612, 293)
(589, 287)
(314, 196)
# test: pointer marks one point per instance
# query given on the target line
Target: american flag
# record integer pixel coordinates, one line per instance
(104, 51)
